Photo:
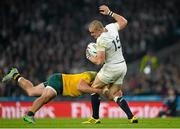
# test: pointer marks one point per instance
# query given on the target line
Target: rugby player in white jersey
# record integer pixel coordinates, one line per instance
(109, 54)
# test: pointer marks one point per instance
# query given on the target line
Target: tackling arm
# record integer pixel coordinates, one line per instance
(85, 88)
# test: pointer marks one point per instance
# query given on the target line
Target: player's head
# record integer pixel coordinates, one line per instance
(96, 28)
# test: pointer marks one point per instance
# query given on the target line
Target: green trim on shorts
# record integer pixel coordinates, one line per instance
(55, 81)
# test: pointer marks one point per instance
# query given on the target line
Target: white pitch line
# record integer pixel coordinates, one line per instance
(88, 128)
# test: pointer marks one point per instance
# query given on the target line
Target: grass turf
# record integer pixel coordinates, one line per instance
(106, 123)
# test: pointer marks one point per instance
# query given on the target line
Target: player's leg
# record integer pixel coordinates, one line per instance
(13, 74)
(53, 88)
(25, 84)
(115, 93)
(48, 94)
(95, 102)
(98, 83)
(29, 88)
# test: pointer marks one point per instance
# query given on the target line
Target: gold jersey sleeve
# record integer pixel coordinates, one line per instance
(71, 81)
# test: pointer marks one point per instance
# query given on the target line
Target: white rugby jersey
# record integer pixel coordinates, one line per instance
(110, 43)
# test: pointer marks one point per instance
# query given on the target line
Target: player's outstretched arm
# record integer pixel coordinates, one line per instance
(85, 88)
(120, 19)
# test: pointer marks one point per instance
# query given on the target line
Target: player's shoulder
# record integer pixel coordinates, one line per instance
(90, 72)
(112, 26)
(101, 38)
(104, 36)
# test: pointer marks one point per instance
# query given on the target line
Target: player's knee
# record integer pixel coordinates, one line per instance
(30, 93)
(116, 93)
(119, 93)
(48, 96)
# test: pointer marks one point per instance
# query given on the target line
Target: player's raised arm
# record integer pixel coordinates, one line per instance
(122, 22)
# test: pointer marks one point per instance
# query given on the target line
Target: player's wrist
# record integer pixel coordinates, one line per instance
(110, 13)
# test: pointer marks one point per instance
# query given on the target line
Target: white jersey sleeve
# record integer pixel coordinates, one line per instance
(117, 26)
(110, 43)
(101, 44)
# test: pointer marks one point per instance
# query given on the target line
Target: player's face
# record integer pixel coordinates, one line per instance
(94, 32)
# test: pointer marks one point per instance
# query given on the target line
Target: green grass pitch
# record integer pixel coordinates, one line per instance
(106, 123)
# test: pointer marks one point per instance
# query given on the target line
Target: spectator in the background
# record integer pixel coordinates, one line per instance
(149, 63)
(46, 37)
(170, 104)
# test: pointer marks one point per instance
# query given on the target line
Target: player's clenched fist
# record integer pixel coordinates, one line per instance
(104, 9)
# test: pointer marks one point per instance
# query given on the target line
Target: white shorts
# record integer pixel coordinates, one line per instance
(113, 73)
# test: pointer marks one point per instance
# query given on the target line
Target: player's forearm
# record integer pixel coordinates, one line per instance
(85, 88)
(96, 60)
(91, 90)
(99, 59)
(120, 20)
(88, 89)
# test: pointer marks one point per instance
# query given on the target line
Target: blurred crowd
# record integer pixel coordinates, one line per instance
(42, 37)
(156, 82)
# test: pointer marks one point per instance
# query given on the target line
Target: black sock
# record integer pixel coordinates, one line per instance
(125, 107)
(30, 113)
(16, 76)
(95, 101)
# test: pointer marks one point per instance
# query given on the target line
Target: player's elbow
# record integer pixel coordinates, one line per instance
(79, 88)
(30, 93)
(123, 23)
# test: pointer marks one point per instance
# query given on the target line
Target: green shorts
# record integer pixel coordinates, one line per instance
(55, 81)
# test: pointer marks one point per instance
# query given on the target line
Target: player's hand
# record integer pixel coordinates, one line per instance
(104, 9)
(99, 91)
(105, 91)
(87, 54)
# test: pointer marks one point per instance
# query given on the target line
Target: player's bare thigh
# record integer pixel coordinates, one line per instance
(49, 93)
(98, 83)
(37, 90)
